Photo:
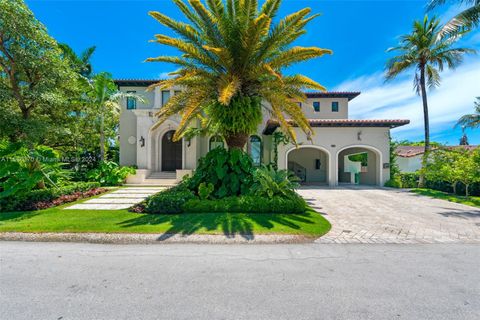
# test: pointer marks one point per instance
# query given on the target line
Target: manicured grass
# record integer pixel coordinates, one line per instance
(470, 201)
(122, 221)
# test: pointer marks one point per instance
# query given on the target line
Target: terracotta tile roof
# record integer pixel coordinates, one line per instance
(412, 151)
(273, 124)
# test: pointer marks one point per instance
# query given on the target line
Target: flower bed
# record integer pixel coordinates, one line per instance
(46, 198)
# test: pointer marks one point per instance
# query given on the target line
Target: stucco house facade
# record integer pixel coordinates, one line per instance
(341, 150)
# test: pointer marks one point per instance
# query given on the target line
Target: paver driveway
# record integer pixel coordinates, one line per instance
(374, 215)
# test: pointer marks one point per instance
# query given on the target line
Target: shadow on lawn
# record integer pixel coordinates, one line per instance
(231, 224)
(17, 215)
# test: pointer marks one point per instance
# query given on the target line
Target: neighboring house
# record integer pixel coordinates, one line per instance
(324, 158)
(409, 158)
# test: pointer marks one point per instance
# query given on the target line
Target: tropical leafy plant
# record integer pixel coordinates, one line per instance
(229, 171)
(233, 55)
(205, 190)
(425, 50)
(471, 120)
(23, 169)
(109, 173)
(268, 182)
(467, 19)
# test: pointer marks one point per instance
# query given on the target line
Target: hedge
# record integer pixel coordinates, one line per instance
(410, 180)
(247, 204)
(29, 201)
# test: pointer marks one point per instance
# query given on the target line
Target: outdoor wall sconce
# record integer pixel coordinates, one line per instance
(189, 142)
(142, 141)
(318, 164)
(359, 135)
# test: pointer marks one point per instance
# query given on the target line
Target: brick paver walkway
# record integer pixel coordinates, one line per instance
(370, 215)
(119, 199)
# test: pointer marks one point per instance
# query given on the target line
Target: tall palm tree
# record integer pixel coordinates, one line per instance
(233, 55)
(105, 98)
(427, 53)
(467, 19)
(81, 63)
(471, 120)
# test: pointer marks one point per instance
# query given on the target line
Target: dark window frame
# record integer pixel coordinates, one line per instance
(169, 96)
(316, 106)
(335, 106)
(131, 100)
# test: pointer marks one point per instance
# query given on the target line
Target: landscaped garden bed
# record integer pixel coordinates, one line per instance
(50, 197)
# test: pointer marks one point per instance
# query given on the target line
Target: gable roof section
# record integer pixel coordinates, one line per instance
(315, 123)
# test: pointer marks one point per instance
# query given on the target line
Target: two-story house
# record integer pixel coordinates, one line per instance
(342, 150)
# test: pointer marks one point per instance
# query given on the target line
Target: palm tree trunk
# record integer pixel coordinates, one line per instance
(237, 140)
(102, 138)
(421, 181)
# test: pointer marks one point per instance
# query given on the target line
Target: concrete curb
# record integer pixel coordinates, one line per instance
(141, 238)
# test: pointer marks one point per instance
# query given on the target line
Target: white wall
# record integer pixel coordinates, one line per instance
(334, 140)
(410, 164)
(326, 108)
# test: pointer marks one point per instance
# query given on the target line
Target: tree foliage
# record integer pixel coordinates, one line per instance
(467, 19)
(35, 80)
(427, 52)
(233, 50)
(471, 120)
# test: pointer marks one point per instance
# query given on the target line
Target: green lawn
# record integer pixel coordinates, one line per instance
(470, 201)
(114, 221)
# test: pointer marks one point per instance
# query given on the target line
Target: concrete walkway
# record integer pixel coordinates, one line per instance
(374, 215)
(119, 199)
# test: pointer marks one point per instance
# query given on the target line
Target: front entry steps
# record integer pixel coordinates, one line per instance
(157, 179)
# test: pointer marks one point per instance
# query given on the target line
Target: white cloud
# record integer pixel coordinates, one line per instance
(165, 75)
(397, 100)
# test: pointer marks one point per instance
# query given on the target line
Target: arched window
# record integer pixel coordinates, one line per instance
(255, 149)
(216, 142)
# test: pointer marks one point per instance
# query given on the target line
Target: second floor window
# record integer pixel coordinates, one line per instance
(165, 97)
(335, 106)
(131, 102)
(316, 106)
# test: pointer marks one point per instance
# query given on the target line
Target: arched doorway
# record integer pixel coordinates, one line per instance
(359, 165)
(171, 152)
(310, 164)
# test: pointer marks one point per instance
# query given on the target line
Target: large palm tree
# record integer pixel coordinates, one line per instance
(467, 19)
(105, 98)
(471, 120)
(233, 55)
(428, 54)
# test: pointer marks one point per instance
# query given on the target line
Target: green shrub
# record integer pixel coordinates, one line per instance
(230, 172)
(394, 183)
(169, 201)
(247, 204)
(109, 173)
(28, 200)
(409, 180)
(23, 168)
(205, 190)
(268, 182)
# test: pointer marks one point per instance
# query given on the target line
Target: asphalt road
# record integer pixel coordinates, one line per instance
(314, 281)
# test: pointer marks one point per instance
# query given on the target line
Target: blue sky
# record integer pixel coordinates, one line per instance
(357, 31)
